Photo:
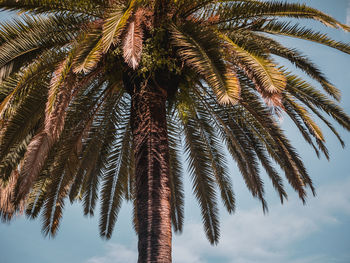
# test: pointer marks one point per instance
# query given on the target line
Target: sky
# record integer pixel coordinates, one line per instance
(291, 233)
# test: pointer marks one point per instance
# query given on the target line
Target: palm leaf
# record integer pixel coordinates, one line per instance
(197, 48)
(54, 6)
(35, 35)
(203, 179)
(115, 22)
(175, 179)
(132, 46)
(115, 179)
(90, 51)
(268, 79)
(308, 94)
(243, 10)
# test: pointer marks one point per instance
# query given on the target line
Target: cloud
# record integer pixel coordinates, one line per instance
(116, 253)
(249, 236)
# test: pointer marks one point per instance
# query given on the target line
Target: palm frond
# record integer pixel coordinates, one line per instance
(14, 157)
(57, 80)
(216, 155)
(74, 76)
(78, 115)
(309, 94)
(98, 147)
(24, 108)
(115, 179)
(262, 43)
(33, 35)
(277, 144)
(300, 114)
(296, 31)
(175, 178)
(36, 197)
(132, 46)
(90, 7)
(90, 50)
(115, 22)
(7, 192)
(34, 159)
(198, 49)
(5, 71)
(268, 79)
(202, 178)
(242, 10)
(245, 156)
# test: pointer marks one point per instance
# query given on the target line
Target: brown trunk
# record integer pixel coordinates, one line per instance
(151, 151)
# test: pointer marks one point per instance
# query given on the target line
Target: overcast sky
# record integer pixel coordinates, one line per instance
(292, 233)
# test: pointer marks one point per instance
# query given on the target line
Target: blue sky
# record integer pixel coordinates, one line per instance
(292, 233)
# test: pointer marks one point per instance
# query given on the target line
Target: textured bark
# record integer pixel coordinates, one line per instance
(151, 152)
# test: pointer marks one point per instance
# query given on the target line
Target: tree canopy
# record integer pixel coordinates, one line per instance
(68, 69)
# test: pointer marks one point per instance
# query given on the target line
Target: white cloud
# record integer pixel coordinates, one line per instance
(249, 236)
(116, 253)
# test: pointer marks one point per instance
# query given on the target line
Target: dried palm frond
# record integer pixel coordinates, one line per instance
(132, 43)
(7, 194)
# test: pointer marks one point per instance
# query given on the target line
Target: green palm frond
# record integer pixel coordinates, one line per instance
(28, 37)
(36, 198)
(98, 147)
(216, 155)
(80, 113)
(236, 11)
(57, 189)
(256, 116)
(196, 49)
(115, 178)
(294, 30)
(23, 114)
(244, 154)
(87, 150)
(13, 158)
(90, 7)
(89, 50)
(269, 80)
(261, 43)
(300, 115)
(15, 88)
(255, 139)
(186, 8)
(5, 71)
(203, 179)
(115, 22)
(237, 145)
(251, 141)
(176, 185)
(310, 95)
(39, 147)
(277, 144)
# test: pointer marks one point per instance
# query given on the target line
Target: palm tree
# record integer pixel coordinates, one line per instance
(97, 97)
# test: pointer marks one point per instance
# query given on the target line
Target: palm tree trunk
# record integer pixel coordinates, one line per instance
(151, 152)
